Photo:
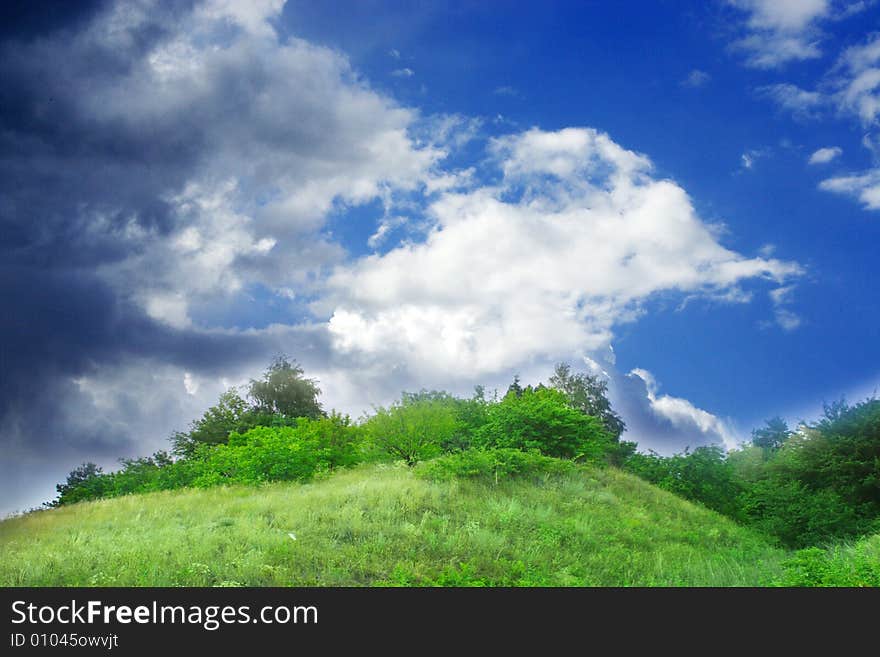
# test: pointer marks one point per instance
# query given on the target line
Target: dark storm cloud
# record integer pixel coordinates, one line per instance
(156, 159)
(24, 20)
(70, 186)
(65, 323)
(62, 167)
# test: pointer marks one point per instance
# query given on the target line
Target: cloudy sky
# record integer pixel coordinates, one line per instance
(684, 199)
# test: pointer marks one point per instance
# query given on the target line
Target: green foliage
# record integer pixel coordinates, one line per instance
(848, 460)
(492, 465)
(703, 475)
(231, 414)
(800, 516)
(541, 419)
(805, 488)
(414, 428)
(823, 483)
(470, 415)
(772, 435)
(839, 565)
(338, 442)
(284, 390)
(261, 454)
(588, 394)
(83, 483)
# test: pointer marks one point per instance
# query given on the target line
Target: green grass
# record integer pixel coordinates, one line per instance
(382, 525)
(847, 564)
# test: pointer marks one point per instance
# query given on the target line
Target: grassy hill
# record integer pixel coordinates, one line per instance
(383, 525)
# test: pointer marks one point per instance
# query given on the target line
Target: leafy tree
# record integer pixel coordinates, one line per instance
(846, 453)
(470, 414)
(772, 435)
(588, 394)
(284, 390)
(542, 419)
(85, 482)
(412, 429)
(515, 388)
(336, 438)
(231, 413)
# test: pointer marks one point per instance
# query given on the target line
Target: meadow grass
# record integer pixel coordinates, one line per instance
(382, 525)
(852, 563)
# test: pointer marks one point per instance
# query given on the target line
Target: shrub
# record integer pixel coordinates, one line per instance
(264, 454)
(337, 440)
(543, 420)
(704, 475)
(413, 429)
(86, 482)
(492, 464)
(841, 565)
(800, 516)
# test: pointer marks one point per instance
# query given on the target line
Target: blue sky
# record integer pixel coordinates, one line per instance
(630, 71)
(684, 199)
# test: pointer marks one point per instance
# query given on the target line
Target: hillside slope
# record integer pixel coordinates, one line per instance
(382, 525)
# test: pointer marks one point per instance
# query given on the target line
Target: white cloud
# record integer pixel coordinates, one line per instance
(791, 98)
(386, 226)
(695, 79)
(572, 242)
(403, 73)
(865, 187)
(785, 318)
(860, 83)
(856, 78)
(751, 156)
(303, 137)
(781, 31)
(190, 383)
(825, 155)
(683, 417)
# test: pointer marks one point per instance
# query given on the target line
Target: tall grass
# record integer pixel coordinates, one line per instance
(844, 564)
(382, 525)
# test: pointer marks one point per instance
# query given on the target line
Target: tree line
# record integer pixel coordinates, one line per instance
(278, 431)
(806, 486)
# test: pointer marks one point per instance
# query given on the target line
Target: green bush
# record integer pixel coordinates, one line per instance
(412, 429)
(542, 419)
(493, 464)
(266, 453)
(704, 475)
(840, 565)
(800, 516)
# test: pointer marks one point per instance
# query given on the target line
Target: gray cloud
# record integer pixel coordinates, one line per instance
(156, 159)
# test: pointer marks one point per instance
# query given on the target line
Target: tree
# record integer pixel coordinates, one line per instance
(542, 419)
(231, 413)
(412, 429)
(588, 394)
(515, 388)
(284, 390)
(772, 435)
(85, 482)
